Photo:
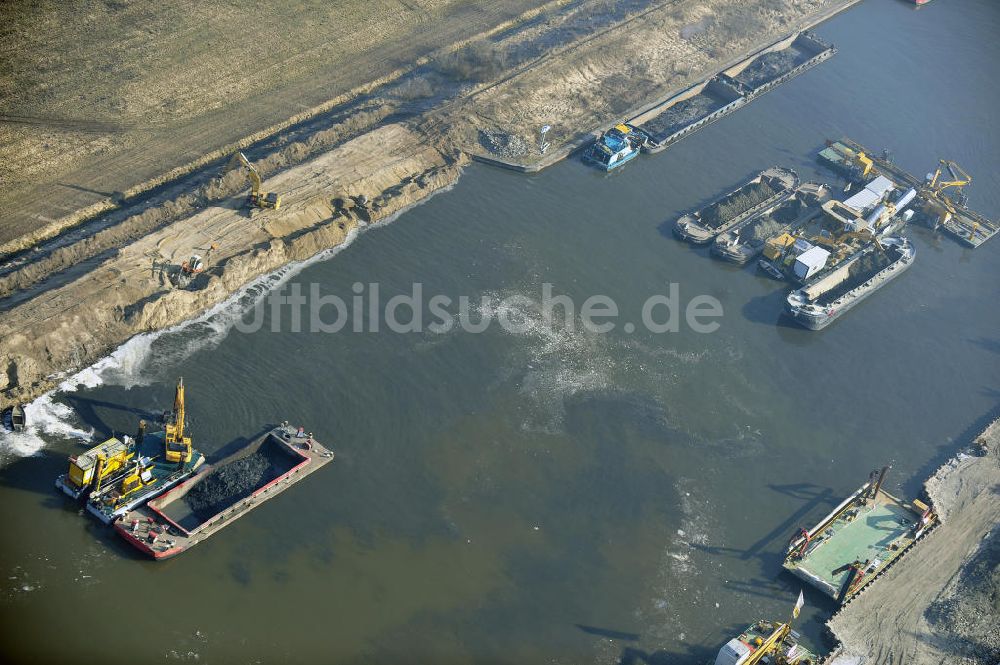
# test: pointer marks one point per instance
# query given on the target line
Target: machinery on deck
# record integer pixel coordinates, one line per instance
(121, 474)
(959, 179)
(257, 198)
(87, 472)
(942, 197)
(765, 642)
(178, 446)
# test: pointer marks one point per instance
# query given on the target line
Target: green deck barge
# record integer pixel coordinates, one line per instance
(857, 541)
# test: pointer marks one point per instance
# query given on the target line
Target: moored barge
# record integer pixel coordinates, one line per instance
(744, 242)
(120, 474)
(767, 188)
(818, 304)
(858, 540)
(765, 642)
(222, 493)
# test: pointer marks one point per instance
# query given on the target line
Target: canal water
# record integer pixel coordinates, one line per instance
(555, 495)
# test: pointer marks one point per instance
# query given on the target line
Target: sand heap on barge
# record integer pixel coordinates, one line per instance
(767, 188)
(745, 241)
(856, 542)
(222, 493)
(819, 303)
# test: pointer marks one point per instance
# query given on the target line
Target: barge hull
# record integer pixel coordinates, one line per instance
(155, 528)
(870, 530)
(808, 317)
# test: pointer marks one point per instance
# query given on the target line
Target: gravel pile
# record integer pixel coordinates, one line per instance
(768, 67)
(225, 486)
(968, 614)
(680, 115)
(503, 144)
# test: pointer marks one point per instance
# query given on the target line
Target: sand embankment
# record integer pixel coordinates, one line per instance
(939, 603)
(396, 125)
(77, 323)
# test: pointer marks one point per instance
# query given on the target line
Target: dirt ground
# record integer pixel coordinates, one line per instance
(388, 104)
(610, 75)
(941, 602)
(99, 96)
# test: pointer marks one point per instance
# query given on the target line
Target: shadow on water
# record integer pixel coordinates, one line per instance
(696, 654)
(610, 633)
(814, 495)
(86, 409)
(946, 450)
(769, 309)
(992, 345)
(36, 473)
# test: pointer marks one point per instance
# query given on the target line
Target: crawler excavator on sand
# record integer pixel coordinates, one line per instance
(257, 198)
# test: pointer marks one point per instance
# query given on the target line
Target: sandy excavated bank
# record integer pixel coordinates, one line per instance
(100, 96)
(941, 602)
(400, 117)
(125, 295)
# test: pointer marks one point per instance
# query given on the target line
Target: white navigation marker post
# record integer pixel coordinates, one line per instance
(543, 145)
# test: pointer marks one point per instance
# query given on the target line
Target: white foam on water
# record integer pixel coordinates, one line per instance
(558, 361)
(46, 418)
(141, 359)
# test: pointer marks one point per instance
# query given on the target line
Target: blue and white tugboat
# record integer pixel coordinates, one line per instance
(615, 147)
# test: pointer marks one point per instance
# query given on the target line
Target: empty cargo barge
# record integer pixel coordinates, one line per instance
(222, 493)
(862, 537)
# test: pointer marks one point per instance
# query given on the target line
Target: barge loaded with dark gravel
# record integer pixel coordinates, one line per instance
(767, 188)
(707, 101)
(222, 492)
(746, 240)
(820, 302)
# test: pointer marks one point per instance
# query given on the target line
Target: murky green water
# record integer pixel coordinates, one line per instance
(557, 496)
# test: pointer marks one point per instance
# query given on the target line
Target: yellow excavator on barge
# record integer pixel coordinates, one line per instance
(119, 474)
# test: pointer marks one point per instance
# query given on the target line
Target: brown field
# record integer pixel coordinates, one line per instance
(97, 97)
(115, 119)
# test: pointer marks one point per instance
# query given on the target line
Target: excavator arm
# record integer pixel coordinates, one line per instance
(178, 446)
(257, 198)
(769, 645)
(959, 177)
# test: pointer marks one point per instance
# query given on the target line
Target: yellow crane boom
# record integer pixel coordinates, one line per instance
(959, 178)
(178, 447)
(257, 198)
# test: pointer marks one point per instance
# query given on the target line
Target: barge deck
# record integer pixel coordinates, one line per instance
(768, 188)
(856, 542)
(195, 510)
(966, 226)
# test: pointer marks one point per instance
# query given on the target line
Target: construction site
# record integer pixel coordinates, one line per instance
(118, 192)
(139, 193)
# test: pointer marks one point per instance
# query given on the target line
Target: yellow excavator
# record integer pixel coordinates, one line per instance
(88, 471)
(938, 200)
(178, 446)
(257, 198)
(865, 164)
